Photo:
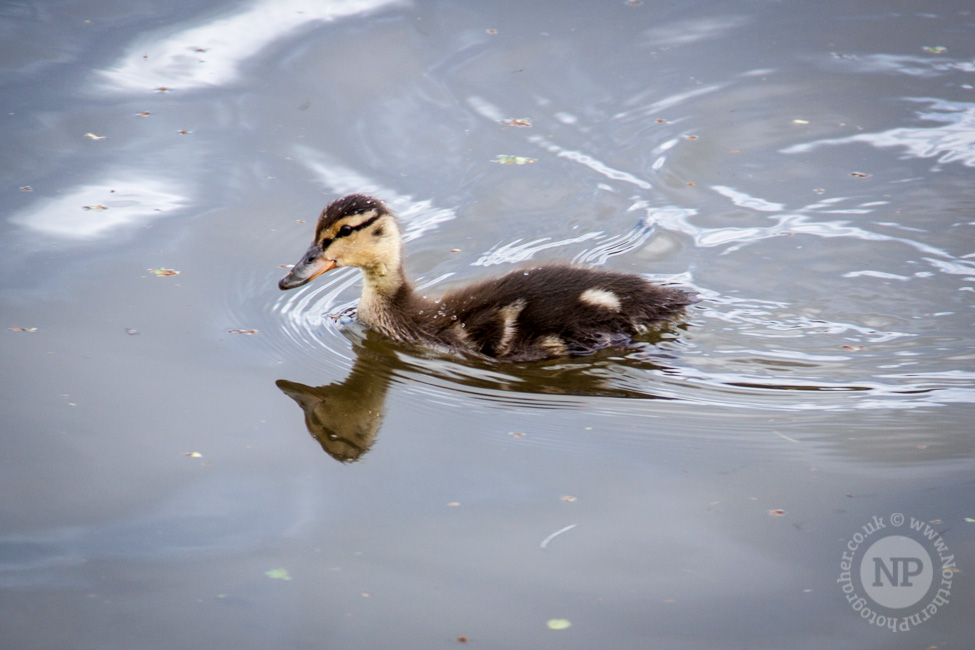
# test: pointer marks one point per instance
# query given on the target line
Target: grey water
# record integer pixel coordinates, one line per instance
(191, 458)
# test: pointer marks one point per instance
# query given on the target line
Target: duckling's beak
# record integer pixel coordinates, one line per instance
(312, 265)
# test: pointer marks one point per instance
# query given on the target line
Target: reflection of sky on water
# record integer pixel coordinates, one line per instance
(952, 141)
(210, 54)
(94, 209)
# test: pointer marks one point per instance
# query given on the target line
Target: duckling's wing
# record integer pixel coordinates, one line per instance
(555, 310)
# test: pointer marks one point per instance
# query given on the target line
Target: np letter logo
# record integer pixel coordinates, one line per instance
(896, 572)
(909, 567)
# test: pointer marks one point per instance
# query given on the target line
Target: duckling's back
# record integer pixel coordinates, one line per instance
(551, 311)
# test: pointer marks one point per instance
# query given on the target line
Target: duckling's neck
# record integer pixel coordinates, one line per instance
(388, 302)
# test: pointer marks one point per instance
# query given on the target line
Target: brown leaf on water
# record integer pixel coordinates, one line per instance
(852, 347)
(521, 122)
(184, 132)
(859, 175)
(163, 272)
(26, 188)
(492, 32)
(143, 114)
(242, 332)
(22, 329)
(163, 89)
(94, 207)
(92, 136)
(777, 512)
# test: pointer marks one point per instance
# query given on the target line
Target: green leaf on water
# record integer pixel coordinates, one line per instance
(513, 160)
(970, 520)
(559, 623)
(279, 574)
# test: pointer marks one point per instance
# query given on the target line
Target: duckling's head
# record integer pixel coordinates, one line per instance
(356, 230)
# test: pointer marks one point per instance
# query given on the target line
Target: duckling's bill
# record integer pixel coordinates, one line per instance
(312, 265)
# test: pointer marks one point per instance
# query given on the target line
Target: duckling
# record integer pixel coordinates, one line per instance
(529, 314)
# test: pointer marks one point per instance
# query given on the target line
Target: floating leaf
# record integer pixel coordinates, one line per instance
(26, 188)
(92, 136)
(278, 574)
(777, 512)
(163, 89)
(970, 520)
(936, 49)
(94, 207)
(516, 434)
(184, 132)
(559, 623)
(242, 331)
(521, 122)
(193, 454)
(22, 329)
(163, 271)
(462, 639)
(131, 332)
(859, 175)
(800, 121)
(513, 160)
(568, 499)
(491, 31)
(143, 114)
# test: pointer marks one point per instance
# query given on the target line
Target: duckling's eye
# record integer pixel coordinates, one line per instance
(345, 230)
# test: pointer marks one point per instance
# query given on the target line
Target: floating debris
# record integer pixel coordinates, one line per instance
(278, 574)
(92, 136)
(94, 207)
(852, 347)
(242, 332)
(568, 499)
(163, 272)
(516, 434)
(521, 122)
(777, 512)
(559, 624)
(192, 454)
(26, 188)
(800, 121)
(184, 132)
(492, 32)
(131, 332)
(143, 114)
(859, 175)
(163, 89)
(23, 329)
(936, 49)
(512, 160)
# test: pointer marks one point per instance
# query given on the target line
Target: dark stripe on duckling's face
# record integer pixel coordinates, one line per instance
(346, 230)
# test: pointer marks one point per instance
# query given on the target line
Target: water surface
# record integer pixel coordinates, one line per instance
(805, 167)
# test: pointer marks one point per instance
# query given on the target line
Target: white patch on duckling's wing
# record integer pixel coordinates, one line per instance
(600, 298)
(509, 316)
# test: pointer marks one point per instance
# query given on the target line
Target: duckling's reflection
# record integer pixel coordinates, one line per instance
(345, 417)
